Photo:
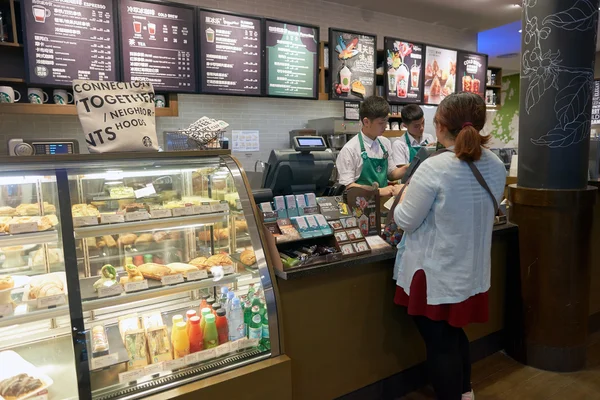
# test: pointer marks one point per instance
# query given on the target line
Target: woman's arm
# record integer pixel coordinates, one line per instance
(418, 200)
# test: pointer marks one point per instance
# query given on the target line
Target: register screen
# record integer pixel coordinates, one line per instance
(311, 142)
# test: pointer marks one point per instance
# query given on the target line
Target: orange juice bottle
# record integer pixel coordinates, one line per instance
(181, 341)
(195, 334)
(176, 318)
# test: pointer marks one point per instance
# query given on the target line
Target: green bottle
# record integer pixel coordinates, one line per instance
(265, 340)
(251, 292)
(210, 334)
(204, 312)
(255, 327)
(262, 307)
(247, 316)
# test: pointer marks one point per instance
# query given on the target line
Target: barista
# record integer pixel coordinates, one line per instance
(368, 157)
(406, 147)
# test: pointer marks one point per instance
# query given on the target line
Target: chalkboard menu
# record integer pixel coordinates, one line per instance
(352, 63)
(230, 53)
(471, 72)
(292, 59)
(69, 40)
(596, 103)
(440, 74)
(157, 42)
(403, 71)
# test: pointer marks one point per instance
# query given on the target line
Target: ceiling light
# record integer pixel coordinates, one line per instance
(515, 5)
(520, 30)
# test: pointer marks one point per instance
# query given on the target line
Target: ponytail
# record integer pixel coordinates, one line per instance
(468, 143)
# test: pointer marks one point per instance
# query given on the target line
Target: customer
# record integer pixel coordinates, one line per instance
(406, 147)
(443, 263)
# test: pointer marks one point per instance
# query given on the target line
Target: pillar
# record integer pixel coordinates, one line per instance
(551, 202)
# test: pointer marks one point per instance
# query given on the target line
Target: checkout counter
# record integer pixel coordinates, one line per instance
(339, 325)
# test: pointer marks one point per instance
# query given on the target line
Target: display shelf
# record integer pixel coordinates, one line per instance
(11, 80)
(150, 224)
(10, 44)
(494, 86)
(24, 239)
(150, 293)
(34, 316)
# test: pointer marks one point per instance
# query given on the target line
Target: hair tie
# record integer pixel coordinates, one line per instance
(467, 124)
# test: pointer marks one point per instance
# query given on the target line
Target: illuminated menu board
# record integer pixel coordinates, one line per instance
(403, 71)
(157, 43)
(471, 72)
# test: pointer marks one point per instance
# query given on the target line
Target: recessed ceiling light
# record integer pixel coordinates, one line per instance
(515, 5)
(520, 30)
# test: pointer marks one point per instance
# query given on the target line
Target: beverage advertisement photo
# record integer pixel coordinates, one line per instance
(440, 74)
(353, 58)
(471, 72)
(403, 71)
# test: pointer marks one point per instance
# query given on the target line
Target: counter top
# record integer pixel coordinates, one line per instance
(376, 255)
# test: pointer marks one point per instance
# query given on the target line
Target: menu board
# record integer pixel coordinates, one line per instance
(471, 72)
(292, 59)
(353, 59)
(69, 40)
(596, 103)
(157, 42)
(403, 71)
(230, 53)
(440, 74)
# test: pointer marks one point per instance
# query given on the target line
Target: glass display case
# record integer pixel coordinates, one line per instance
(124, 276)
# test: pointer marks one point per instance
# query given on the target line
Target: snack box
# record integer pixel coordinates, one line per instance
(302, 226)
(301, 203)
(292, 208)
(159, 345)
(280, 208)
(323, 225)
(313, 226)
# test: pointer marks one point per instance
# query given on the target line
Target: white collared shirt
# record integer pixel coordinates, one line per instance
(401, 151)
(349, 162)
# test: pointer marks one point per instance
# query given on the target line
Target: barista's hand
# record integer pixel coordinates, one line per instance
(396, 189)
(386, 191)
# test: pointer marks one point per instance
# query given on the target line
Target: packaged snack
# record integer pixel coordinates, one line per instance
(99, 341)
(354, 234)
(280, 207)
(302, 226)
(137, 348)
(313, 226)
(341, 236)
(323, 225)
(128, 323)
(361, 247)
(347, 249)
(152, 320)
(159, 346)
(311, 200)
(292, 208)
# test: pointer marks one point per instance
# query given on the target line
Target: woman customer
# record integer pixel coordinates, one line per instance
(443, 263)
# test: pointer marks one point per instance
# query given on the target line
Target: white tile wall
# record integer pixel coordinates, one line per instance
(272, 117)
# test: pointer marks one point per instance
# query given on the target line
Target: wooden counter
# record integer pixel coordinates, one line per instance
(343, 332)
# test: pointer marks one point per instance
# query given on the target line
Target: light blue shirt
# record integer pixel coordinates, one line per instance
(448, 218)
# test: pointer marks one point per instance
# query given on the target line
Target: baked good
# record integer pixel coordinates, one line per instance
(218, 259)
(7, 211)
(54, 256)
(121, 192)
(182, 268)
(247, 257)
(436, 87)
(175, 235)
(132, 207)
(359, 88)
(204, 236)
(108, 277)
(6, 282)
(198, 261)
(133, 275)
(144, 238)
(28, 209)
(46, 222)
(154, 271)
(110, 241)
(45, 285)
(127, 239)
(48, 208)
(221, 234)
(19, 386)
(160, 236)
(99, 339)
(241, 226)
(84, 210)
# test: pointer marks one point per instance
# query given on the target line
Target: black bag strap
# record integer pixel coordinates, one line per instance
(484, 184)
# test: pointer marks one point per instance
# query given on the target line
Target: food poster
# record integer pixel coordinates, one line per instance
(440, 74)
(471, 72)
(403, 71)
(364, 205)
(352, 65)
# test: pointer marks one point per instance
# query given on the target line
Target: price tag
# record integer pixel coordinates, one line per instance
(136, 286)
(181, 211)
(25, 227)
(160, 213)
(131, 376)
(252, 342)
(223, 349)
(137, 216)
(228, 269)
(197, 275)
(207, 355)
(145, 192)
(41, 395)
(234, 346)
(238, 204)
(112, 218)
(113, 290)
(154, 369)
(50, 301)
(104, 361)
(6, 309)
(172, 279)
(204, 208)
(191, 359)
(220, 206)
(172, 365)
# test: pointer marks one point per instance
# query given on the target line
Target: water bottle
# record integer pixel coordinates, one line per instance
(235, 321)
(229, 302)
(223, 298)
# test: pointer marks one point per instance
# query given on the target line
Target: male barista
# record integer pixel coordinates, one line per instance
(368, 157)
(406, 147)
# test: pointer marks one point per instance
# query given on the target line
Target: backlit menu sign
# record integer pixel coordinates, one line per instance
(292, 60)
(157, 43)
(403, 71)
(471, 70)
(230, 53)
(69, 39)
(440, 74)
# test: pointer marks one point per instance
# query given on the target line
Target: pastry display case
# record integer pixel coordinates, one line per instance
(126, 275)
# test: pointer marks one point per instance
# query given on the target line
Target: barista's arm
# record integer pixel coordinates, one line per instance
(397, 173)
(383, 192)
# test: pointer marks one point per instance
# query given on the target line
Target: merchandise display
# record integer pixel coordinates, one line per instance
(164, 257)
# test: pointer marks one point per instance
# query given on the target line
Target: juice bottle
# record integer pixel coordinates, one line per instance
(235, 321)
(189, 314)
(176, 318)
(181, 342)
(204, 303)
(247, 316)
(204, 312)
(265, 340)
(195, 335)
(210, 335)
(216, 307)
(222, 326)
(255, 327)
(210, 301)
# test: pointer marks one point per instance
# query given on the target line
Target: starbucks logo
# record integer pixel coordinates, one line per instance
(58, 99)
(35, 99)
(4, 98)
(147, 141)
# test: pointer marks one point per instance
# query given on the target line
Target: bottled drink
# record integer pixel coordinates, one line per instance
(204, 312)
(210, 335)
(210, 301)
(222, 328)
(251, 292)
(255, 327)
(215, 307)
(195, 334)
(265, 340)
(235, 321)
(189, 314)
(181, 341)
(247, 316)
(256, 301)
(176, 318)
(230, 297)
(224, 293)
(204, 303)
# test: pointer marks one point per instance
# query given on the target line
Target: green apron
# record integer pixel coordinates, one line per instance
(374, 169)
(412, 150)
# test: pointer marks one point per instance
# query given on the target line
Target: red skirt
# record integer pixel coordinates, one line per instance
(472, 310)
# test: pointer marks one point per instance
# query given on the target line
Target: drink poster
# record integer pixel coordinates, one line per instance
(596, 103)
(230, 53)
(157, 43)
(292, 60)
(440, 74)
(68, 40)
(403, 71)
(353, 59)
(471, 72)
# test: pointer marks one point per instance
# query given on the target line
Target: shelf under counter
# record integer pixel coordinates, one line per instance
(23, 239)
(33, 316)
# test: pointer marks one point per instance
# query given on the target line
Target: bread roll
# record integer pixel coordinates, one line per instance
(204, 236)
(84, 210)
(45, 285)
(7, 211)
(222, 234)
(48, 208)
(241, 226)
(127, 239)
(247, 257)
(154, 271)
(28, 209)
(182, 268)
(110, 241)
(6, 282)
(144, 238)
(219, 259)
(160, 236)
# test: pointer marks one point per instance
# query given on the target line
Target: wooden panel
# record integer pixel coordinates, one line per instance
(70, 109)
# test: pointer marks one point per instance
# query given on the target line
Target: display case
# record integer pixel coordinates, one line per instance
(129, 274)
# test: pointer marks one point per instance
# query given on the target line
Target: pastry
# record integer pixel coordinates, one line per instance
(84, 210)
(160, 236)
(127, 239)
(436, 87)
(7, 211)
(19, 386)
(198, 261)
(100, 242)
(359, 88)
(182, 268)
(132, 207)
(6, 282)
(48, 208)
(247, 257)
(221, 234)
(154, 271)
(121, 192)
(133, 275)
(241, 226)
(39, 256)
(28, 209)
(110, 241)
(204, 236)
(219, 259)
(175, 235)
(144, 238)
(108, 277)
(45, 285)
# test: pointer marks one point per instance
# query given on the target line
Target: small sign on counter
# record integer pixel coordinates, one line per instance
(197, 275)
(136, 286)
(228, 269)
(160, 213)
(113, 290)
(206, 354)
(182, 211)
(223, 349)
(26, 227)
(6, 309)
(85, 221)
(105, 361)
(172, 365)
(131, 376)
(221, 206)
(191, 359)
(112, 218)
(172, 279)
(51, 301)
(204, 208)
(137, 216)
(154, 369)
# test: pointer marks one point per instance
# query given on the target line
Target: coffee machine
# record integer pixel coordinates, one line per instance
(336, 130)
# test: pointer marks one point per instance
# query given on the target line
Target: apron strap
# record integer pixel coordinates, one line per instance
(385, 153)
